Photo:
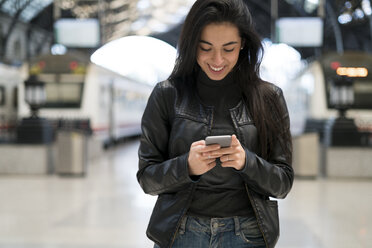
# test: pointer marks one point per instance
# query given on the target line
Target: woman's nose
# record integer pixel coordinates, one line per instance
(217, 58)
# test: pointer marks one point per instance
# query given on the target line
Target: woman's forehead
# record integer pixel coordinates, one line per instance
(220, 33)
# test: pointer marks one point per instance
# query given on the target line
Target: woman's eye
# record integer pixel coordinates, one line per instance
(229, 50)
(205, 49)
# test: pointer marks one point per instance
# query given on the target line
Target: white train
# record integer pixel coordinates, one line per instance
(10, 78)
(309, 95)
(85, 95)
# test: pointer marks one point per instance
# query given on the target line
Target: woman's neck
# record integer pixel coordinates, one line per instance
(204, 79)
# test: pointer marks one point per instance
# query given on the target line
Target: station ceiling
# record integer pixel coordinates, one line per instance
(347, 23)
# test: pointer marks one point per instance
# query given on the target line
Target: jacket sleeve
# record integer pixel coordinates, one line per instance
(158, 173)
(272, 177)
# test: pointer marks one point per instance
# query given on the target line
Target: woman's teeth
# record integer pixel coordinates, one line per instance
(216, 68)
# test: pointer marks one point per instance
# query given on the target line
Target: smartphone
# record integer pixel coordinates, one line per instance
(222, 140)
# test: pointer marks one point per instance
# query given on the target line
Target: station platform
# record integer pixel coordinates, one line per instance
(107, 208)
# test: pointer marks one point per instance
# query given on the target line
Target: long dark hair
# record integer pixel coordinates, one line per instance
(261, 99)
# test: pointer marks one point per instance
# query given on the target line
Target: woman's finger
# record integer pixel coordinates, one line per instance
(198, 143)
(234, 141)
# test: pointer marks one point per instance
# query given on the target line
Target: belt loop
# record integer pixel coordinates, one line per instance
(183, 225)
(237, 225)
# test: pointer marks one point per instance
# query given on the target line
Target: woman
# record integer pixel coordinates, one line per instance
(211, 196)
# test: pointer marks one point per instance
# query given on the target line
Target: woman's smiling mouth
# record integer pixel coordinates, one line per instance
(216, 69)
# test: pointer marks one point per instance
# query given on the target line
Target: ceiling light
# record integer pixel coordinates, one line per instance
(366, 6)
(345, 18)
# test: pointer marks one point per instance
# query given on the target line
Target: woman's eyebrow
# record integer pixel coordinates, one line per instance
(206, 42)
(230, 43)
(227, 44)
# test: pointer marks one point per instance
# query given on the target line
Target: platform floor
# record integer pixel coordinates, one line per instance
(107, 209)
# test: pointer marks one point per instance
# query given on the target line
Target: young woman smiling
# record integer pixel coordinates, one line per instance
(212, 196)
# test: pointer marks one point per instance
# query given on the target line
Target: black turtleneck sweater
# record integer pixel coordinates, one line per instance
(220, 192)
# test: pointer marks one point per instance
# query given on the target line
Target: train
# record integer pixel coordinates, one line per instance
(310, 94)
(82, 95)
(10, 79)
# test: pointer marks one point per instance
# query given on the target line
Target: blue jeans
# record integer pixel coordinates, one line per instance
(234, 232)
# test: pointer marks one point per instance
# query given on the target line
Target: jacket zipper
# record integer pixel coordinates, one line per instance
(210, 122)
(257, 216)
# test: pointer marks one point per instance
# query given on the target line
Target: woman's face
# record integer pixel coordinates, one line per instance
(218, 49)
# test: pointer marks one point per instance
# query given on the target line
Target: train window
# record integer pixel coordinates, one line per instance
(71, 78)
(47, 78)
(2, 95)
(63, 95)
(362, 94)
(15, 98)
(62, 90)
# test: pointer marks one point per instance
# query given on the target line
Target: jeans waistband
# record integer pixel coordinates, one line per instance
(212, 225)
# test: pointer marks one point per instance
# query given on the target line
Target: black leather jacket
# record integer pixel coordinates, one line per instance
(172, 121)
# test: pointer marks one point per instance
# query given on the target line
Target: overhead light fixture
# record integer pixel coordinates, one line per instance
(358, 14)
(366, 6)
(58, 49)
(311, 5)
(345, 18)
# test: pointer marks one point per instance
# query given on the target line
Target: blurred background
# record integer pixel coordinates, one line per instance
(75, 76)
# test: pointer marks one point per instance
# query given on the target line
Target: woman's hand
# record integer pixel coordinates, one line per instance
(200, 159)
(233, 156)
